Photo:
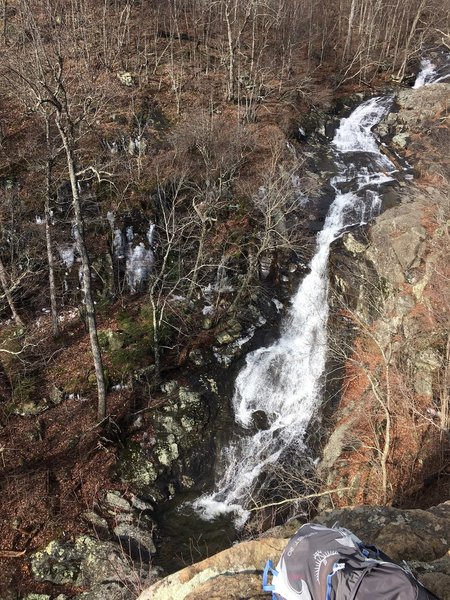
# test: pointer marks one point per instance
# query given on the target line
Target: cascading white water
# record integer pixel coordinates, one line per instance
(428, 74)
(285, 380)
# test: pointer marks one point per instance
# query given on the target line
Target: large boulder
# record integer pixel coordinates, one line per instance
(168, 454)
(101, 567)
(233, 573)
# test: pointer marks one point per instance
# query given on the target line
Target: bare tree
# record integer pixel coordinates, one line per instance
(65, 124)
(41, 74)
(48, 221)
(8, 295)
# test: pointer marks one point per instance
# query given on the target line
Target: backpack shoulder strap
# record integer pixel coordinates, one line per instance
(268, 569)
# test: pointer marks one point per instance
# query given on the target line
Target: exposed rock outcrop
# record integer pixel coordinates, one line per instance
(389, 327)
(420, 537)
(233, 573)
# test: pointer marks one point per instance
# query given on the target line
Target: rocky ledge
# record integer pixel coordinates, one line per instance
(419, 537)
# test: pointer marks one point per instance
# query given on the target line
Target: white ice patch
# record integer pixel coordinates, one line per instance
(139, 264)
(110, 218)
(302, 199)
(129, 234)
(69, 315)
(118, 245)
(67, 254)
(121, 386)
(177, 298)
(151, 234)
(218, 287)
(139, 260)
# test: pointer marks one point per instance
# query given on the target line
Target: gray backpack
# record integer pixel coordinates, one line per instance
(321, 563)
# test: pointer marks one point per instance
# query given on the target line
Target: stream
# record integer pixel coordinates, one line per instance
(285, 380)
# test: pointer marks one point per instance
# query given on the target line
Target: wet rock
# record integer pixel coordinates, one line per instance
(260, 420)
(137, 469)
(135, 538)
(140, 505)
(97, 522)
(115, 500)
(230, 334)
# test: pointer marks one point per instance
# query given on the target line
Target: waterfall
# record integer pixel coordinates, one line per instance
(429, 74)
(285, 380)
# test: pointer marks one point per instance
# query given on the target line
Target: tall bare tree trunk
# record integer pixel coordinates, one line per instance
(230, 87)
(48, 237)
(86, 270)
(348, 40)
(8, 295)
(156, 346)
(412, 31)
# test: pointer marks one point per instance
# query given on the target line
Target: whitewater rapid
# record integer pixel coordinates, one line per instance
(429, 74)
(285, 380)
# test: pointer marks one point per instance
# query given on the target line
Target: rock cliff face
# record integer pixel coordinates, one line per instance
(420, 537)
(390, 324)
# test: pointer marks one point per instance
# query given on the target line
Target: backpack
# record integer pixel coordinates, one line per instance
(322, 563)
